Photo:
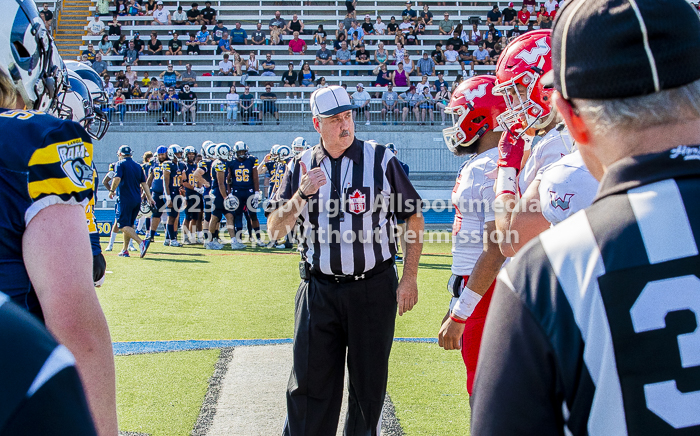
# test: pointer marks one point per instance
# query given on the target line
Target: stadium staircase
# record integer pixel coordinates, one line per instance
(71, 27)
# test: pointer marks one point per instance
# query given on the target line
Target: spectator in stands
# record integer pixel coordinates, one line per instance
(154, 97)
(169, 77)
(170, 104)
(343, 56)
(481, 56)
(530, 27)
(514, 32)
(408, 12)
(268, 66)
(356, 29)
(381, 55)
(474, 36)
(295, 25)
(320, 35)
(553, 14)
(253, 66)
(203, 36)
(362, 58)
(120, 47)
(239, 35)
(225, 66)
(495, 53)
(238, 63)
(232, 102)
(259, 36)
(161, 16)
(390, 102)
(524, 16)
(224, 45)
(174, 46)
(442, 99)
(379, 26)
(405, 26)
(321, 83)
(179, 18)
(306, 77)
(399, 54)
(189, 77)
(466, 57)
(367, 26)
(412, 37)
(446, 26)
(247, 102)
(131, 56)
(134, 8)
(456, 42)
(422, 84)
(138, 43)
(497, 35)
(399, 77)
(550, 5)
(278, 22)
(289, 78)
(426, 104)
(426, 66)
(546, 22)
(510, 15)
(117, 105)
(439, 82)
(530, 5)
(96, 27)
(420, 27)
(188, 101)
(268, 103)
(426, 15)
(297, 46)
(392, 27)
(99, 65)
(541, 13)
(47, 16)
(494, 16)
(150, 7)
(354, 43)
(194, 15)
(121, 7)
(361, 99)
(324, 56)
(104, 47)
(109, 86)
(490, 43)
(342, 37)
(347, 22)
(208, 14)
(383, 77)
(350, 7)
(451, 55)
(438, 55)
(130, 76)
(408, 101)
(114, 27)
(146, 80)
(218, 31)
(155, 47)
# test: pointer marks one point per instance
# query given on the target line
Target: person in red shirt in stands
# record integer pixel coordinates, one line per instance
(296, 45)
(523, 16)
(553, 14)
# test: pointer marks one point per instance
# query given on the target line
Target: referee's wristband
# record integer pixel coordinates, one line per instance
(302, 195)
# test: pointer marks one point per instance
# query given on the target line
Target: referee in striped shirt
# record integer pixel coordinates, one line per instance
(594, 327)
(347, 195)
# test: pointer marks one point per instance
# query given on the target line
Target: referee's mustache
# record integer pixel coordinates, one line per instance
(345, 133)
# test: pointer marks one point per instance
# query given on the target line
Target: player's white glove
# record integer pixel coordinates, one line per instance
(199, 190)
(231, 203)
(255, 202)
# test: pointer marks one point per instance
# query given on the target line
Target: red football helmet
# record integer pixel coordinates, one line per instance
(524, 61)
(474, 110)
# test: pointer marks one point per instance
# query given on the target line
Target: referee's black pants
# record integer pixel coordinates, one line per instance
(331, 318)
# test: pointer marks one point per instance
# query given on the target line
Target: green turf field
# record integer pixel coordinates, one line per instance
(191, 293)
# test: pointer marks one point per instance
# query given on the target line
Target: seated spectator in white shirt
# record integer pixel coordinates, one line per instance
(96, 27)
(161, 16)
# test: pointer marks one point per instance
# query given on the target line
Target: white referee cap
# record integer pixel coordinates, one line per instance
(326, 102)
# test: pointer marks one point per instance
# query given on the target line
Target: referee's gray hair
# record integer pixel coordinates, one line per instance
(669, 106)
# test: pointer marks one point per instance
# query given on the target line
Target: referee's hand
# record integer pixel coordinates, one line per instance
(406, 294)
(311, 181)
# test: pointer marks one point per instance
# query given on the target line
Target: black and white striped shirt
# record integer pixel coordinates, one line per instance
(354, 236)
(594, 327)
(40, 391)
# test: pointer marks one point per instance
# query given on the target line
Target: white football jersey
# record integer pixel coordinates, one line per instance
(555, 145)
(472, 197)
(566, 186)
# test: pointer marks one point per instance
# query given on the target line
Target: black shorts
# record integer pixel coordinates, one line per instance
(195, 204)
(126, 214)
(244, 196)
(159, 198)
(99, 267)
(208, 205)
(179, 203)
(218, 209)
(349, 6)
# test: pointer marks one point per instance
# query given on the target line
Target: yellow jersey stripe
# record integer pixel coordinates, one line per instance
(63, 186)
(50, 154)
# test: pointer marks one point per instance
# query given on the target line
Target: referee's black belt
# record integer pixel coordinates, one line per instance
(352, 278)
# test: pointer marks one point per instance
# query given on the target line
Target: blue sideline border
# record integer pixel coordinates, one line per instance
(148, 347)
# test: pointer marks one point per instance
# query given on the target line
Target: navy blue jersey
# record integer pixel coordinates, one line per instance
(218, 167)
(270, 166)
(205, 164)
(43, 161)
(156, 168)
(131, 175)
(242, 172)
(41, 390)
(405, 167)
(189, 176)
(146, 167)
(177, 171)
(276, 176)
(90, 216)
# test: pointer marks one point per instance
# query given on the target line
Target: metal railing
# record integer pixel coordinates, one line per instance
(282, 111)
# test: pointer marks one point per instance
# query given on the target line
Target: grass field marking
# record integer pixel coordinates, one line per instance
(211, 399)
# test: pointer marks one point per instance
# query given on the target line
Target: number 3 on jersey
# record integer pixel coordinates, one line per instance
(242, 175)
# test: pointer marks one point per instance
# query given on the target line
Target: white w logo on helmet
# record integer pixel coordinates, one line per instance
(531, 56)
(472, 94)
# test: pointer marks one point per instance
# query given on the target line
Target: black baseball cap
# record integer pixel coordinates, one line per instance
(612, 49)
